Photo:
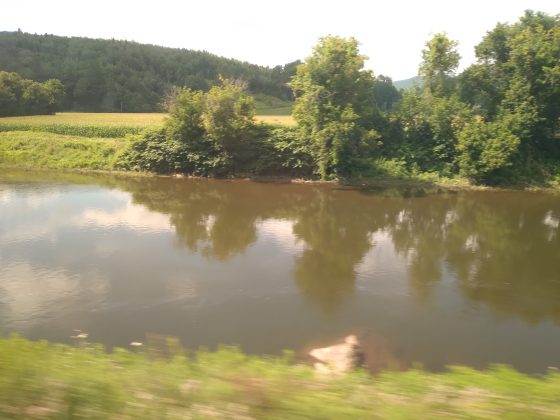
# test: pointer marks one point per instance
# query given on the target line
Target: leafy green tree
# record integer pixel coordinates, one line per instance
(485, 147)
(385, 93)
(20, 96)
(11, 89)
(517, 80)
(55, 93)
(228, 116)
(430, 126)
(185, 116)
(440, 59)
(216, 129)
(334, 105)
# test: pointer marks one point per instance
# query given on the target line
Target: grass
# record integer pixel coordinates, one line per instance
(269, 105)
(38, 379)
(276, 119)
(26, 149)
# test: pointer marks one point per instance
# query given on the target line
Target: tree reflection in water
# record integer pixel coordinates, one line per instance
(501, 249)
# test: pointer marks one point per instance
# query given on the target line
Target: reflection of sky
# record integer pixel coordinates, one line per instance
(67, 249)
(128, 215)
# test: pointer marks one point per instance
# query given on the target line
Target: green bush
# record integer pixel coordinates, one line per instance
(484, 148)
(280, 151)
(153, 151)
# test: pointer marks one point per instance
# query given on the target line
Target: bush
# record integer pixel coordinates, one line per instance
(153, 151)
(484, 148)
(280, 151)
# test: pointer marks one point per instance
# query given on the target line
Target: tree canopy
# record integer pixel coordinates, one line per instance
(109, 75)
(335, 104)
(20, 96)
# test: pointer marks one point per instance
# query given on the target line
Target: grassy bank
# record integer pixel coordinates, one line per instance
(25, 149)
(94, 141)
(38, 379)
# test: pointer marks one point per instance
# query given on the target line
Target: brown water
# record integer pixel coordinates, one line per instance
(421, 276)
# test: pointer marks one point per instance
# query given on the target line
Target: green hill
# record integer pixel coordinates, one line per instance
(109, 75)
(408, 83)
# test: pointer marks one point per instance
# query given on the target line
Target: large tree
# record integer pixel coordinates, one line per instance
(335, 105)
(516, 82)
(20, 96)
(440, 59)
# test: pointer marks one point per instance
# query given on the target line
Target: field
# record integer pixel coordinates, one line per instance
(276, 119)
(102, 124)
(82, 118)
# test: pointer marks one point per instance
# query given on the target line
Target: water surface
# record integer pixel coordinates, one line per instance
(432, 277)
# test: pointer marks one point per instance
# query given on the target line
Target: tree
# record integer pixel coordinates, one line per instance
(229, 115)
(385, 93)
(485, 147)
(516, 82)
(215, 128)
(334, 104)
(185, 116)
(55, 93)
(109, 75)
(440, 59)
(19, 96)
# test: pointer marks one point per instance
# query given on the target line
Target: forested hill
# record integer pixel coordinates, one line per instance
(111, 75)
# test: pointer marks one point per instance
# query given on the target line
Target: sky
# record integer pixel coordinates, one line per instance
(392, 33)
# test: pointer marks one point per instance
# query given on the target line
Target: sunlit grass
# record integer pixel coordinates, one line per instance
(38, 379)
(103, 124)
(90, 118)
(30, 149)
(276, 119)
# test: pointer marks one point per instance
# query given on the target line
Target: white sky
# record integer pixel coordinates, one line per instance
(391, 33)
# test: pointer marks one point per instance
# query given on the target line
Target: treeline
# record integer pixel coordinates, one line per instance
(20, 96)
(495, 122)
(110, 75)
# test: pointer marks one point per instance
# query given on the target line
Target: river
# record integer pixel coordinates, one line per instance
(420, 275)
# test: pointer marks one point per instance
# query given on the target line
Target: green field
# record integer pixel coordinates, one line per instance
(102, 124)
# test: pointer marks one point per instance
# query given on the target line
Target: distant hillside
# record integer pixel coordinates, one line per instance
(408, 83)
(109, 75)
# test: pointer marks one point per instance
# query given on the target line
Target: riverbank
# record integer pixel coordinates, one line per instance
(33, 149)
(38, 379)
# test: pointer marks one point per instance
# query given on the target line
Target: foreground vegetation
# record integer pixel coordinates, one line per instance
(38, 379)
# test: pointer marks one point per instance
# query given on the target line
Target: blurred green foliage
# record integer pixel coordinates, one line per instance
(38, 379)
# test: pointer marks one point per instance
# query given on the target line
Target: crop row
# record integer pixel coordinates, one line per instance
(75, 130)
